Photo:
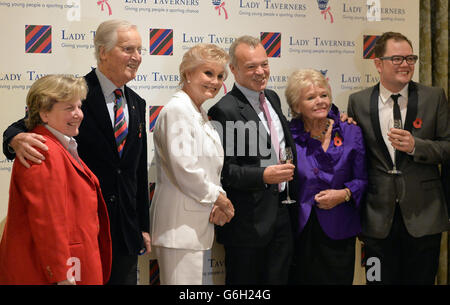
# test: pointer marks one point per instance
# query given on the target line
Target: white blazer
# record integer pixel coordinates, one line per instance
(189, 160)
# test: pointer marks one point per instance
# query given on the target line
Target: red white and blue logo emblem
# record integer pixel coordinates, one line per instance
(369, 45)
(38, 39)
(272, 43)
(219, 6)
(154, 112)
(325, 9)
(161, 42)
(103, 4)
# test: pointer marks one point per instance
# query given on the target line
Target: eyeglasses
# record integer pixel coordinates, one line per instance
(398, 59)
(131, 50)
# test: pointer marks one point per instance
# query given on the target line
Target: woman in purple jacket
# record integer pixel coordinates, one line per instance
(332, 178)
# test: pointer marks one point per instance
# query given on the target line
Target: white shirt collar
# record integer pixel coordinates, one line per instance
(107, 86)
(252, 96)
(385, 94)
(66, 141)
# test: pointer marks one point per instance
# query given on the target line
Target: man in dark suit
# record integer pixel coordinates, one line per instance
(405, 209)
(258, 240)
(121, 170)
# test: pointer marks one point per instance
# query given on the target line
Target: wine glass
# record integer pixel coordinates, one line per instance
(286, 156)
(394, 123)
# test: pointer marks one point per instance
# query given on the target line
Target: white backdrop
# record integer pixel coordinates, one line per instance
(41, 37)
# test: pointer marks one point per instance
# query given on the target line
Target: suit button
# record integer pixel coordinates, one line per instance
(112, 199)
(119, 171)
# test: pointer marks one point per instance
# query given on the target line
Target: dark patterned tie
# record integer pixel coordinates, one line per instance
(397, 118)
(120, 125)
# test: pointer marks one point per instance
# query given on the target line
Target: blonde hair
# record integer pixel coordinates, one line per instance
(106, 35)
(300, 80)
(200, 54)
(49, 90)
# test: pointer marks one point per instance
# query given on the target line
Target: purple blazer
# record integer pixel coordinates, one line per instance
(342, 165)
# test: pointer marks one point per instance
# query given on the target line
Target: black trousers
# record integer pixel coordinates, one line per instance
(320, 260)
(404, 259)
(123, 270)
(268, 265)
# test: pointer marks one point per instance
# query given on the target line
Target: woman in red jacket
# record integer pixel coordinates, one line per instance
(57, 228)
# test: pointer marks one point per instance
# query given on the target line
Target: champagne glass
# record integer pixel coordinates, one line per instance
(394, 123)
(286, 156)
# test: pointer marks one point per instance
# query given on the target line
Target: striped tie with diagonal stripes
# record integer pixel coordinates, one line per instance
(120, 125)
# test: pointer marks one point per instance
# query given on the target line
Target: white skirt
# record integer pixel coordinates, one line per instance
(179, 266)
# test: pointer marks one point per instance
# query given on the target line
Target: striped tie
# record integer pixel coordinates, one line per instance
(120, 125)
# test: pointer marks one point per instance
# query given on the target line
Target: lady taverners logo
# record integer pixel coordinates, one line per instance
(103, 2)
(325, 9)
(220, 6)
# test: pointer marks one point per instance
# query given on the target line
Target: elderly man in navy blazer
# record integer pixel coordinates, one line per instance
(112, 141)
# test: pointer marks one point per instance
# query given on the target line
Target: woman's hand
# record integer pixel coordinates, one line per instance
(225, 206)
(70, 281)
(328, 199)
(222, 211)
(218, 217)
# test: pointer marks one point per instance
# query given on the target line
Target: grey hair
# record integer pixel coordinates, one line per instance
(248, 40)
(106, 35)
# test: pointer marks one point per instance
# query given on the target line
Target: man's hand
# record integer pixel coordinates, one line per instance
(401, 140)
(25, 144)
(345, 117)
(147, 242)
(275, 174)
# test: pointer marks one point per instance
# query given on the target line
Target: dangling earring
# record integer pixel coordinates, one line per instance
(188, 81)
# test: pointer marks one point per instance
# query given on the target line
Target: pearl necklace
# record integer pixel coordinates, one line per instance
(323, 133)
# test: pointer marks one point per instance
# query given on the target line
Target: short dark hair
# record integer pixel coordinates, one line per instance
(380, 45)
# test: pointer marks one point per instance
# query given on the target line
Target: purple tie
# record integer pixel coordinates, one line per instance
(273, 131)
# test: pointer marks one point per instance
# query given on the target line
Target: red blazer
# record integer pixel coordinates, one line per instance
(57, 222)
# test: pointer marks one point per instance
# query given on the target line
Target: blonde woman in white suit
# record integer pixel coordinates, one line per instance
(188, 198)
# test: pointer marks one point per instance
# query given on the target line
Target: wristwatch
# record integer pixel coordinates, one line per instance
(348, 194)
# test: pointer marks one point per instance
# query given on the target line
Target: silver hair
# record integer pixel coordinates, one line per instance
(106, 35)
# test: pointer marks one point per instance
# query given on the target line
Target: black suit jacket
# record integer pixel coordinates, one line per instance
(124, 181)
(246, 156)
(419, 188)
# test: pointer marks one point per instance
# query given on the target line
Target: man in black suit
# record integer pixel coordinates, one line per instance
(123, 175)
(405, 210)
(258, 240)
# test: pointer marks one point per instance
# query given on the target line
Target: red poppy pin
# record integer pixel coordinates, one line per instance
(417, 123)
(337, 140)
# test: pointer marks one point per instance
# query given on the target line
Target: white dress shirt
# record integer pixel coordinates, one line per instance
(253, 98)
(69, 143)
(108, 91)
(385, 110)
